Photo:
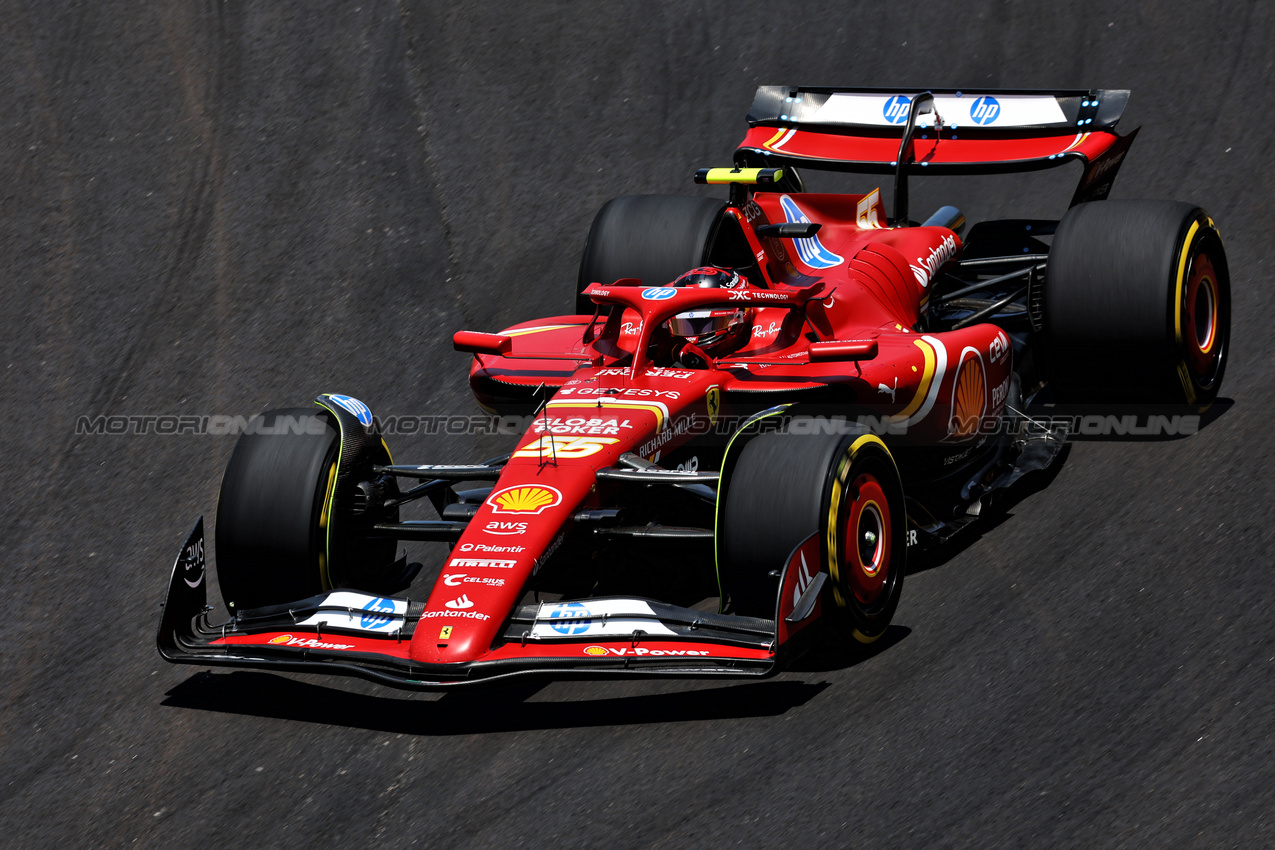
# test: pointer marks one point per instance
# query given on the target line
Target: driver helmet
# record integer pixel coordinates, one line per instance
(717, 330)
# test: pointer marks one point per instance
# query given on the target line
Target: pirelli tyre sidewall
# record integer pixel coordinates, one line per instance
(273, 509)
(286, 525)
(653, 238)
(779, 489)
(1202, 312)
(1137, 304)
(864, 530)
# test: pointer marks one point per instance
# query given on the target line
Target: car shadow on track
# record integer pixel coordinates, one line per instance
(827, 655)
(997, 511)
(477, 711)
(1130, 423)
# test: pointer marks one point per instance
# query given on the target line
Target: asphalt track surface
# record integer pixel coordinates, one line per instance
(216, 208)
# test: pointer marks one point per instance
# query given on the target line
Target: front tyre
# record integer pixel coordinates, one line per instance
(274, 509)
(785, 487)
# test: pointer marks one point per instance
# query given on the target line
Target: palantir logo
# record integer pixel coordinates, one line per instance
(985, 110)
(570, 618)
(896, 109)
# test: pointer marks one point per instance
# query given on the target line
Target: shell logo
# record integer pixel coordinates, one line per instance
(281, 639)
(969, 399)
(594, 650)
(524, 499)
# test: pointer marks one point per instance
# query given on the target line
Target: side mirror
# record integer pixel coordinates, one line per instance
(791, 230)
(481, 343)
(839, 350)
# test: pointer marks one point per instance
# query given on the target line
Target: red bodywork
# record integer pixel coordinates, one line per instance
(839, 312)
(612, 399)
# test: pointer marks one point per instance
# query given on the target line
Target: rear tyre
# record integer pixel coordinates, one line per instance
(1137, 304)
(272, 514)
(651, 237)
(785, 487)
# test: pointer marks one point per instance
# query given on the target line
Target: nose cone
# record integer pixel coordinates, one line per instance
(443, 641)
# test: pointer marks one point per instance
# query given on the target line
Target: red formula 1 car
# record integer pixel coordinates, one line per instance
(757, 407)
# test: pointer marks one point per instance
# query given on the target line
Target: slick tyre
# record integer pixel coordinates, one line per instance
(1137, 304)
(783, 488)
(651, 237)
(274, 507)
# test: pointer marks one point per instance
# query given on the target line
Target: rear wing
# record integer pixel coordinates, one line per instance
(981, 132)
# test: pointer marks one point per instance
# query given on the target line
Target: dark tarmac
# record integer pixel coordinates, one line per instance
(219, 208)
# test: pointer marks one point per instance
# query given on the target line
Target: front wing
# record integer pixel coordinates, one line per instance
(346, 632)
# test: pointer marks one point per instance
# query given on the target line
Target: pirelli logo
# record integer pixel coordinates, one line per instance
(480, 563)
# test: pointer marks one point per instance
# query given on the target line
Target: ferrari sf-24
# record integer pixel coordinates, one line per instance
(756, 407)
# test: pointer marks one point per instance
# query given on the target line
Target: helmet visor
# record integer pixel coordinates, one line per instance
(697, 323)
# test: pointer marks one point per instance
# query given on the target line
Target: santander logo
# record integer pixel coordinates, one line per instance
(929, 265)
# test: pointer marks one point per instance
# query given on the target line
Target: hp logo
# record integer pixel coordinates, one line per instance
(659, 293)
(896, 109)
(570, 618)
(371, 620)
(985, 110)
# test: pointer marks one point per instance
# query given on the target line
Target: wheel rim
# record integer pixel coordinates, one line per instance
(1200, 321)
(868, 540)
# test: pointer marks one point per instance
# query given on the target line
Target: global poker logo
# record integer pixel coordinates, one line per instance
(985, 110)
(896, 109)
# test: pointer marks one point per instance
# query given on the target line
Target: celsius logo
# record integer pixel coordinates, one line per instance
(896, 109)
(659, 293)
(985, 110)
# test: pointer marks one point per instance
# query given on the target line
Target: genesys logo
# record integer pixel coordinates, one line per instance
(524, 499)
(481, 564)
(631, 651)
(502, 527)
(308, 643)
(457, 579)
